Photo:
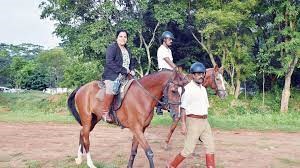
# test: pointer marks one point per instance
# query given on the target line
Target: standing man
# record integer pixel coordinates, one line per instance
(165, 58)
(194, 110)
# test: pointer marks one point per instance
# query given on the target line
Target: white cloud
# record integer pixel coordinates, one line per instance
(20, 23)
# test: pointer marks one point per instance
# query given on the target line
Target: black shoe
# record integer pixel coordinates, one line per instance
(159, 111)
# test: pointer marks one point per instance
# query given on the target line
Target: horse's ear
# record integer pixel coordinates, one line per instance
(216, 68)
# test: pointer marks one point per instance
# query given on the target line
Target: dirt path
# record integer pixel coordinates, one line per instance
(53, 145)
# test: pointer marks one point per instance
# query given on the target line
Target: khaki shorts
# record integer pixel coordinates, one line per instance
(198, 128)
(109, 87)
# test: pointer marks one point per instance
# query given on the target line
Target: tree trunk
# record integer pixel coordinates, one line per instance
(285, 94)
(232, 88)
(287, 85)
(238, 83)
(245, 86)
(149, 59)
(211, 57)
(206, 48)
(231, 73)
(140, 71)
(263, 88)
(148, 46)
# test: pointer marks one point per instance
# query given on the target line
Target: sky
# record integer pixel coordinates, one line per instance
(20, 23)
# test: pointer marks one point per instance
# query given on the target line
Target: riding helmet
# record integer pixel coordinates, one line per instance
(197, 67)
(167, 34)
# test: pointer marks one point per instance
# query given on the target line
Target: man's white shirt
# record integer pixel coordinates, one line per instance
(194, 100)
(164, 52)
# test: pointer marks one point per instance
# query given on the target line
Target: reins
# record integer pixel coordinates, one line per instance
(154, 97)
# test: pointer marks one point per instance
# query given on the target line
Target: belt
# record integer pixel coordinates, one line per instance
(197, 116)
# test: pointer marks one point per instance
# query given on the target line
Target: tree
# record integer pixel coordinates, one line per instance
(53, 63)
(15, 71)
(264, 59)
(87, 27)
(224, 30)
(5, 61)
(79, 73)
(25, 51)
(283, 41)
(35, 77)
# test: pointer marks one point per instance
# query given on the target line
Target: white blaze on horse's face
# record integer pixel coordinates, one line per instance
(221, 90)
(179, 90)
(222, 81)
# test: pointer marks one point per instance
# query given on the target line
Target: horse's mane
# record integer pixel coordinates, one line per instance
(154, 78)
(154, 75)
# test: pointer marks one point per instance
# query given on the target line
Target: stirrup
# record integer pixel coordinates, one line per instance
(159, 111)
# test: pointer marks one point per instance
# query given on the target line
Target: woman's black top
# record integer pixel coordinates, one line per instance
(114, 61)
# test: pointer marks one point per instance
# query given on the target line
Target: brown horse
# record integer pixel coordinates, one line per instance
(213, 79)
(135, 113)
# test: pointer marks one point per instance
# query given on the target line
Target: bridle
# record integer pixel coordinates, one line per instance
(166, 103)
(165, 93)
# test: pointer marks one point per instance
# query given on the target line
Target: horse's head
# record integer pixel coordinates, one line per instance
(215, 80)
(172, 93)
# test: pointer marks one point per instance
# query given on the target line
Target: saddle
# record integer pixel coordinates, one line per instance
(118, 98)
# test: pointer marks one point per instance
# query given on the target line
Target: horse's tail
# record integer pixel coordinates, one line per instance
(72, 107)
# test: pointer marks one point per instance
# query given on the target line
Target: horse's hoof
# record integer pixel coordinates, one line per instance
(78, 161)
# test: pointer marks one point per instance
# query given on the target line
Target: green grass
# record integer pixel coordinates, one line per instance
(33, 106)
(228, 114)
(251, 114)
(284, 122)
(33, 164)
(164, 120)
(289, 162)
(67, 162)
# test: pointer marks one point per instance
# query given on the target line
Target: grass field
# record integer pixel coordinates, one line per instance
(35, 106)
(69, 163)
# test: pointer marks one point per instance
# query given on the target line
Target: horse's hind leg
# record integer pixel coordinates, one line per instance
(78, 160)
(86, 143)
(134, 147)
(172, 129)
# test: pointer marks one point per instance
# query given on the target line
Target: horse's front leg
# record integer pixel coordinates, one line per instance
(134, 147)
(172, 129)
(139, 134)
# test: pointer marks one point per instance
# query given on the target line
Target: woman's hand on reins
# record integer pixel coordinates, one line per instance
(132, 73)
